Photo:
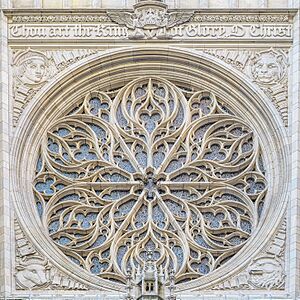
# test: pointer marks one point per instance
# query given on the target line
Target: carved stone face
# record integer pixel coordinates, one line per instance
(267, 68)
(34, 70)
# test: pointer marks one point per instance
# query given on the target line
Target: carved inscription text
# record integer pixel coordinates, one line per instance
(186, 31)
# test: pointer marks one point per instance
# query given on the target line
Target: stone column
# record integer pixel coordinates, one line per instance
(5, 203)
(294, 125)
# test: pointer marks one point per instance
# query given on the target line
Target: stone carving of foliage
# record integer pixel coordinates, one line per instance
(150, 169)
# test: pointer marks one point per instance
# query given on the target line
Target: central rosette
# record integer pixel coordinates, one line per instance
(153, 167)
(150, 185)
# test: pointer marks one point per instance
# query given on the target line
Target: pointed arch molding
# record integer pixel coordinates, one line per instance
(115, 68)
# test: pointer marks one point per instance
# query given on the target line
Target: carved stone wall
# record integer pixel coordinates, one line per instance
(267, 69)
(150, 128)
(33, 271)
(32, 69)
(267, 271)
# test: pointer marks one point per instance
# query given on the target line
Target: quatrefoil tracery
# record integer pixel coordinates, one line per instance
(150, 169)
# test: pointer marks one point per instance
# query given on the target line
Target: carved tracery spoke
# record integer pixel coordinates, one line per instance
(150, 169)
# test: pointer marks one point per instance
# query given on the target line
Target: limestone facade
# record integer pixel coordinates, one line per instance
(162, 126)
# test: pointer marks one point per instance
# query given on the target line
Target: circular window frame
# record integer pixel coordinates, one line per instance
(109, 69)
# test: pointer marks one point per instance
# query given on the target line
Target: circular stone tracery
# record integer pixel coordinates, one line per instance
(151, 168)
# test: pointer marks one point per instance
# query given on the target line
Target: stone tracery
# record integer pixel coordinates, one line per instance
(150, 169)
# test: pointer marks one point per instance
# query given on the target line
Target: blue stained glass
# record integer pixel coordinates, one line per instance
(194, 254)
(75, 260)
(246, 226)
(204, 269)
(236, 240)
(99, 241)
(141, 157)
(71, 175)
(247, 147)
(63, 132)
(64, 241)
(180, 117)
(160, 91)
(200, 241)
(70, 197)
(124, 209)
(120, 118)
(39, 164)
(175, 164)
(175, 208)
(59, 186)
(254, 187)
(66, 156)
(120, 254)
(85, 153)
(170, 173)
(260, 208)
(184, 194)
(87, 220)
(40, 208)
(215, 153)
(115, 177)
(45, 187)
(105, 254)
(124, 164)
(205, 103)
(66, 218)
(98, 266)
(150, 121)
(105, 117)
(115, 195)
(52, 146)
(53, 226)
(95, 104)
(179, 254)
(100, 132)
(141, 216)
(158, 216)
(140, 92)
(158, 158)
(214, 220)
(59, 161)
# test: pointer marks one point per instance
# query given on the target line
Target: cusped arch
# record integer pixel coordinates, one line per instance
(114, 69)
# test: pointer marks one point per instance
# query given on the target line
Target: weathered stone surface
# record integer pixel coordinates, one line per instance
(137, 127)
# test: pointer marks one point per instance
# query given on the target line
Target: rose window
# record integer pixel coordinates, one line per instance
(151, 166)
